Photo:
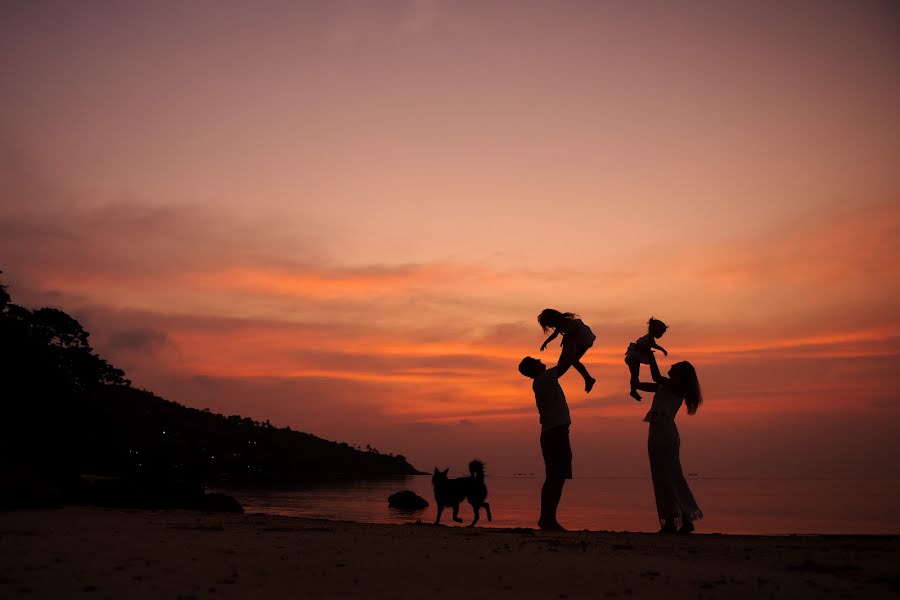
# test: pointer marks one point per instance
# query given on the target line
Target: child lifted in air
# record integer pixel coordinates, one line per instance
(641, 351)
(577, 338)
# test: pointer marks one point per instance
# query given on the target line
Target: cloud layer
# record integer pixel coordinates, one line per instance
(796, 322)
(345, 217)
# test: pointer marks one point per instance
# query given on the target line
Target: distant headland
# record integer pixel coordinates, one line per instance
(69, 413)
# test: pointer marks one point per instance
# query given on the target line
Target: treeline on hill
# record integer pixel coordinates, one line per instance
(67, 412)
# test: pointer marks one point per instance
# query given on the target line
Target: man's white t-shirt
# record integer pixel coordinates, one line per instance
(551, 401)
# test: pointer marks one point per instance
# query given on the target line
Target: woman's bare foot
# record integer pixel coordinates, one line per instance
(668, 527)
(635, 395)
(687, 527)
(589, 384)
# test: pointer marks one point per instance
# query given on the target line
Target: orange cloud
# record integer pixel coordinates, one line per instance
(322, 283)
(791, 322)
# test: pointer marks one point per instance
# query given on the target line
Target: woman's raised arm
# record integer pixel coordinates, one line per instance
(646, 386)
(654, 370)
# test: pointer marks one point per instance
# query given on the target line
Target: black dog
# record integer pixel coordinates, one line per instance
(450, 492)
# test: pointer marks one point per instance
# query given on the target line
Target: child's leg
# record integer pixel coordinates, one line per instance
(568, 357)
(579, 366)
(564, 362)
(635, 368)
(588, 380)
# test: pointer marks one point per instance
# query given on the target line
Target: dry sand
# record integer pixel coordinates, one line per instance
(97, 553)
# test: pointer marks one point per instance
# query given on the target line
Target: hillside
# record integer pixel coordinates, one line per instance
(68, 412)
(135, 431)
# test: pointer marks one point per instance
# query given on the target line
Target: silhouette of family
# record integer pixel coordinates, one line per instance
(675, 504)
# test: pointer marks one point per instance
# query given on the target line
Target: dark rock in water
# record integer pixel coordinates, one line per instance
(219, 502)
(407, 500)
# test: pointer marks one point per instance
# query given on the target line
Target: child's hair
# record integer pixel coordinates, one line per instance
(685, 377)
(655, 327)
(551, 319)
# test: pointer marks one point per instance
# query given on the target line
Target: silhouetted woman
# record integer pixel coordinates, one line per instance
(675, 503)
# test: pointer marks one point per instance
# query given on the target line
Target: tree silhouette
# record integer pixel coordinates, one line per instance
(66, 411)
(4, 295)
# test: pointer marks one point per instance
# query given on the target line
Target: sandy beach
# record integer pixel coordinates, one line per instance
(99, 553)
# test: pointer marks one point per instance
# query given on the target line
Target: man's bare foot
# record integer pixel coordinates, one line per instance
(635, 395)
(589, 384)
(551, 526)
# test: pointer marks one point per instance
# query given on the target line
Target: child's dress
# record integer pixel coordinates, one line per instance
(578, 334)
(640, 351)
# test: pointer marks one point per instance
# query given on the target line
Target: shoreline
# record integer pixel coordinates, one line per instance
(486, 525)
(615, 505)
(111, 553)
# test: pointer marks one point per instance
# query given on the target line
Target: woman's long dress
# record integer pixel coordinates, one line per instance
(674, 500)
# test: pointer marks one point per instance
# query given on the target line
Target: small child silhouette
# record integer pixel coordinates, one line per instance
(641, 351)
(577, 338)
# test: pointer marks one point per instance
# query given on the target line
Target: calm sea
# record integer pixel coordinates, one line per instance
(754, 506)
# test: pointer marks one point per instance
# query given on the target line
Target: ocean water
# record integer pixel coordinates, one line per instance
(737, 506)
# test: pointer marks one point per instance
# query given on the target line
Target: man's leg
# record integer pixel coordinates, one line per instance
(551, 492)
(558, 464)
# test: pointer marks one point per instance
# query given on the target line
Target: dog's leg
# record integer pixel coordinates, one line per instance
(456, 513)
(477, 510)
(487, 508)
(437, 520)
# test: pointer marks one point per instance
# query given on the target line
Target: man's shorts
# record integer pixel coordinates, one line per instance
(557, 452)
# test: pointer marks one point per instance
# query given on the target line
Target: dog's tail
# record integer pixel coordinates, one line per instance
(476, 468)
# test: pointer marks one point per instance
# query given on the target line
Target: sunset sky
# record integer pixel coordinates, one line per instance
(345, 216)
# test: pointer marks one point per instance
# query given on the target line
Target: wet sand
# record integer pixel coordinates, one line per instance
(98, 553)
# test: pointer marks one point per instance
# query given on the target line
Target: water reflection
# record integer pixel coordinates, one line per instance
(760, 506)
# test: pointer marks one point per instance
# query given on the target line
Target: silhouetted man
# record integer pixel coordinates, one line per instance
(555, 421)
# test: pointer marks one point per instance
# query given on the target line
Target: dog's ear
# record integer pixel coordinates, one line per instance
(447, 470)
(436, 471)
